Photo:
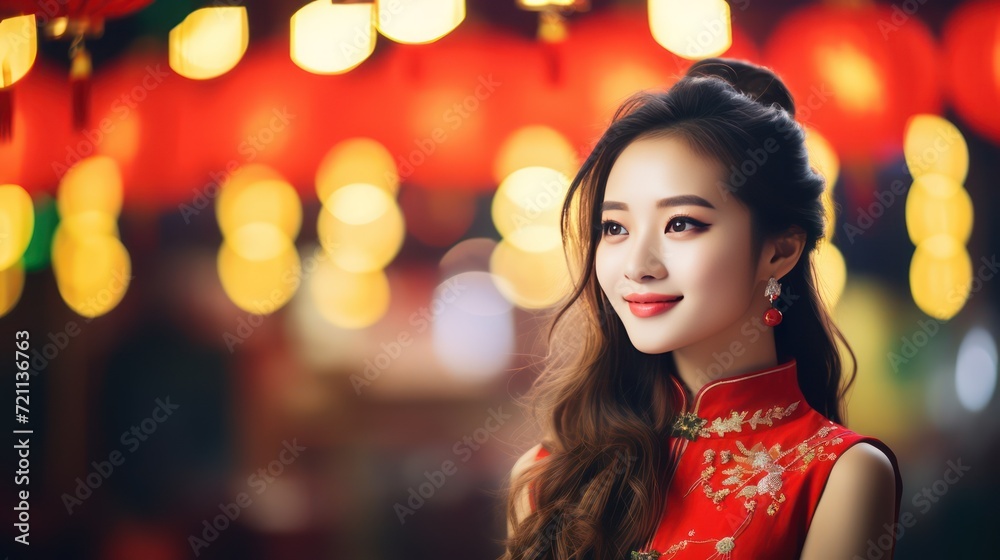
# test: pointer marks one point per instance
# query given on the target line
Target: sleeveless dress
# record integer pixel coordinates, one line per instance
(752, 461)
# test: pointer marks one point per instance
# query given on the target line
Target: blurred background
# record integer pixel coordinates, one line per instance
(284, 266)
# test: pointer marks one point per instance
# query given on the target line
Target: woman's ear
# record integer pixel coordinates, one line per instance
(781, 252)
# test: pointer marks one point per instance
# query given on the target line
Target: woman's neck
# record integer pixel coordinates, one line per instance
(709, 361)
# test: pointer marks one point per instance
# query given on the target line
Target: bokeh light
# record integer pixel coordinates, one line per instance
(350, 300)
(831, 272)
(331, 38)
(535, 146)
(92, 185)
(936, 205)
(361, 227)
(272, 201)
(932, 144)
(17, 222)
(531, 280)
(474, 334)
(357, 160)
(823, 157)
(527, 206)
(264, 284)
(11, 286)
(209, 42)
(692, 30)
(93, 271)
(940, 276)
(419, 21)
(976, 369)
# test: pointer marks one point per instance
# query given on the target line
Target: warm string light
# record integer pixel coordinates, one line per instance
(92, 267)
(18, 49)
(692, 30)
(939, 215)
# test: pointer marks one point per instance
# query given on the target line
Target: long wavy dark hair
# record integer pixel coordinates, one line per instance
(605, 408)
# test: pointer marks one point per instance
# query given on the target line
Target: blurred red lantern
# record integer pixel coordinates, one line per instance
(38, 144)
(269, 111)
(450, 93)
(857, 74)
(615, 55)
(971, 43)
(79, 10)
(74, 20)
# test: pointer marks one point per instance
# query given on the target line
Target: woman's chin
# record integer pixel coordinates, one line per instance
(653, 346)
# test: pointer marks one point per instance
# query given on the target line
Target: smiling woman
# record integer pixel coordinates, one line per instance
(701, 412)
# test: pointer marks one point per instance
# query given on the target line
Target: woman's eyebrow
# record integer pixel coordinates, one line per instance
(679, 200)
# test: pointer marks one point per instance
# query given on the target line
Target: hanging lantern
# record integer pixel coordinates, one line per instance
(18, 47)
(971, 42)
(604, 77)
(74, 20)
(854, 81)
(419, 21)
(552, 32)
(332, 38)
(209, 42)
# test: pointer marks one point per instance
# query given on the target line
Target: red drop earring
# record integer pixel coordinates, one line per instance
(772, 316)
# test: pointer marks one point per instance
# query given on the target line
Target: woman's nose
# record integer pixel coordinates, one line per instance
(645, 259)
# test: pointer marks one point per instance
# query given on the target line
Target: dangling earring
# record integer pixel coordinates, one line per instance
(772, 316)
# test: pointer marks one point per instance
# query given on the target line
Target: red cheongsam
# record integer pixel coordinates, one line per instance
(747, 485)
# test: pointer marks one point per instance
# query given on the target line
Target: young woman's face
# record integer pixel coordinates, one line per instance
(671, 228)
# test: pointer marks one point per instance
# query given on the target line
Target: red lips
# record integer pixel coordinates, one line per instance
(648, 305)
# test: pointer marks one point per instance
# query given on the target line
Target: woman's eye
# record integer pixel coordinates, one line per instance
(607, 228)
(684, 222)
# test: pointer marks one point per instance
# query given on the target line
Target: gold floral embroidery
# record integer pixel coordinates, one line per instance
(691, 426)
(748, 465)
(735, 421)
(760, 464)
(723, 546)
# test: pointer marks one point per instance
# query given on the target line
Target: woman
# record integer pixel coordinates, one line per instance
(696, 410)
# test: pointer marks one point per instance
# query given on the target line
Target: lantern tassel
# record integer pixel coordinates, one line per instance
(6, 104)
(6, 115)
(552, 33)
(79, 77)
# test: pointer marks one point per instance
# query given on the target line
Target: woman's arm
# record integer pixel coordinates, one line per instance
(523, 505)
(857, 505)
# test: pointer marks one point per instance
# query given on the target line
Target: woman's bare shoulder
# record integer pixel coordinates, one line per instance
(524, 461)
(523, 502)
(858, 501)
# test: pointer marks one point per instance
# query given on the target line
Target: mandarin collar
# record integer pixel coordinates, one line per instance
(748, 402)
